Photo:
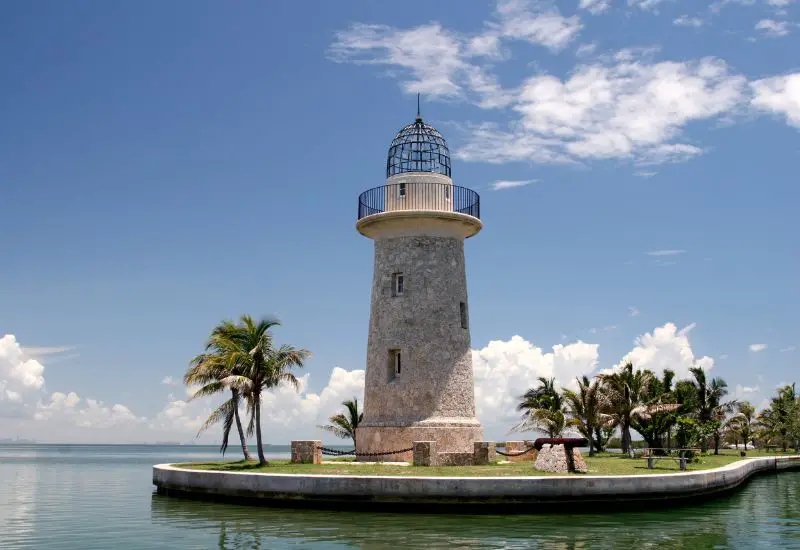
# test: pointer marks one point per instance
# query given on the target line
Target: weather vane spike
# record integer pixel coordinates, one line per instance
(419, 116)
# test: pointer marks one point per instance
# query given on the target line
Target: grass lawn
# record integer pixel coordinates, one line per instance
(602, 464)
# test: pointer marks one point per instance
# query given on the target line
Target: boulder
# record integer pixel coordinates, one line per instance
(555, 459)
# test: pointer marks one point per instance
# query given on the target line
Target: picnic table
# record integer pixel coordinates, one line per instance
(654, 455)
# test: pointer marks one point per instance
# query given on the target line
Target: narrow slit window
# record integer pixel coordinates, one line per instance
(395, 363)
(401, 190)
(398, 284)
(463, 311)
(447, 192)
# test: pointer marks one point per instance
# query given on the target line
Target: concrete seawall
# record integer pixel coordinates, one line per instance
(459, 492)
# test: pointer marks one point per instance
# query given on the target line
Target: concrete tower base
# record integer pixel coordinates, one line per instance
(451, 436)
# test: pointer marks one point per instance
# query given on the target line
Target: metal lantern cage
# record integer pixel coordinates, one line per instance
(418, 147)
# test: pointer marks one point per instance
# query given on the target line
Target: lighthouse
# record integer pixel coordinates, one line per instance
(419, 383)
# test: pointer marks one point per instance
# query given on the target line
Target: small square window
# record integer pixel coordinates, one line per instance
(398, 284)
(401, 190)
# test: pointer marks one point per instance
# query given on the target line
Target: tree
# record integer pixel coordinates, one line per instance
(344, 424)
(656, 420)
(542, 409)
(782, 418)
(742, 422)
(624, 393)
(709, 409)
(208, 370)
(256, 365)
(583, 407)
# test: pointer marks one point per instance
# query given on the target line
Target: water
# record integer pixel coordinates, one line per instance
(102, 497)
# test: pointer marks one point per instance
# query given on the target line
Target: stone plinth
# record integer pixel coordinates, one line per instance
(455, 459)
(450, 438)
(425, 453)
(560, 459)
(484, 453)
(307, 452)
(513, 447)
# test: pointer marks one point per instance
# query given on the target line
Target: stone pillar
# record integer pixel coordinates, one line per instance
(514, 447)
(484, 453)
(425, 453)
(306, 452)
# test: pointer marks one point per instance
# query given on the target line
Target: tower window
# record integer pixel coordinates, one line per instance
(398, 284)
(401, 190)
(447, 192)
(395, 363)
(463, 311)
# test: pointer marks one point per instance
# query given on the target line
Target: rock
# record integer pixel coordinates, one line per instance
(554, 459)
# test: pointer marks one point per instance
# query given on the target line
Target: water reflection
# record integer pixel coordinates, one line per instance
(238, 527)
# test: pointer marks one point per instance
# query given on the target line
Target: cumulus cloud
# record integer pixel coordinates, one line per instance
(286, 413)
(504, 370)
(633, 311)
(23, 396)
(667, 347)
(21, 379)
(755, 348)
(779, 95)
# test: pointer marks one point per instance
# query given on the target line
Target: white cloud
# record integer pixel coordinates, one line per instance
(723, 356)
(665, 252)
(21, 379)
(595, 6)
(510, 184)
(585, 50)
(787, 349)
(666, 348)
(644, 174)
(633, 311)
(779, 95)
(536, 22)
(623, 108)
(773, 28)
(89, 413)
(169, 381)
(755, 348)
(744, 392)
(779, 2)
(686, 21)
(504, 370)
(647, 5)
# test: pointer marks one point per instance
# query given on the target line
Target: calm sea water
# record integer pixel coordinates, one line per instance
(102, 497)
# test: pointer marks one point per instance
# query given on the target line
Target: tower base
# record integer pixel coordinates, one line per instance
(449, 437)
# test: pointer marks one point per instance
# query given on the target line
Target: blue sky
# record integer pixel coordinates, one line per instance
(165, 166)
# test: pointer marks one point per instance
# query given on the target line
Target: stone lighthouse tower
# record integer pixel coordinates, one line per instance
(419, 383)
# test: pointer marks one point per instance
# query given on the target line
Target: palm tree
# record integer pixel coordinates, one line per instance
(344, 425)
(709, 409)
(256, 365)
(657, 420)
(743, 421)
(209, 370)
(542, 409)
(583, 407)
(623, 397)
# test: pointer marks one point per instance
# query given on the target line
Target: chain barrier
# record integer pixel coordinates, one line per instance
(335, 452)
(526, 451)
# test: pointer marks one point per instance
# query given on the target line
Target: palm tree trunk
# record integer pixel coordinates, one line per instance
(625, 442)
(257, 404)
(716, 444)
(245, 450)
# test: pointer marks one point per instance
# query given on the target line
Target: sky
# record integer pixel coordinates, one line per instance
(165, 166)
